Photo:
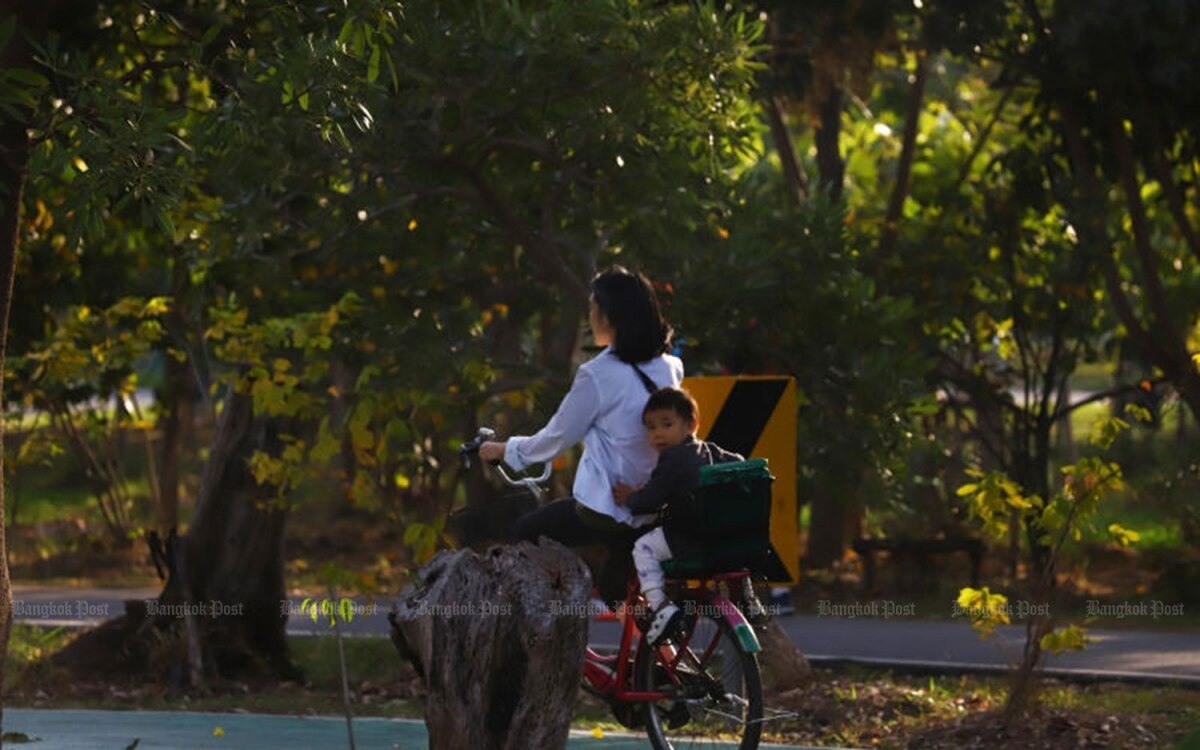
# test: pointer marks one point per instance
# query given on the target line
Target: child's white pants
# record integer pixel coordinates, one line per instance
(649, 551)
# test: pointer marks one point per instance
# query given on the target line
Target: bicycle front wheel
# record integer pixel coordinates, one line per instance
(712, 690)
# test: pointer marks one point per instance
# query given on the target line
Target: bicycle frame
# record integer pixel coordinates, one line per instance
(613, 682)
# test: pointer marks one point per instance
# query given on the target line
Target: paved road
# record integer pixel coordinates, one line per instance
(877, 640)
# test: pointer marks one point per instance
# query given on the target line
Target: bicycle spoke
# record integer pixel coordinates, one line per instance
(715, 696)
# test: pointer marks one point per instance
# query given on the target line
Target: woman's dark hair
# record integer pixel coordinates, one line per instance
(673, 399)
(629, 303)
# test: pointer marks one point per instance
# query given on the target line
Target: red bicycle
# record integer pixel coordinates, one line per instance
(702, 684)
(699, 686)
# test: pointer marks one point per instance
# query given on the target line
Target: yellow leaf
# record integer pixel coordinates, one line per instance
(218, 732)
(1122, 536)
(79, 164)
(598, 733)
(412, 225)
(723, 233)
(1070, 638)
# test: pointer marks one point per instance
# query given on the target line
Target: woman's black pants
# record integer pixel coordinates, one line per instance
(574, 525)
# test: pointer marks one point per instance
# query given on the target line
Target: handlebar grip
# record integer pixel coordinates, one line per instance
(467, 449)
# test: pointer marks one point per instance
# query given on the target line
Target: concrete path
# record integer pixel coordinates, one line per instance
(177, 730)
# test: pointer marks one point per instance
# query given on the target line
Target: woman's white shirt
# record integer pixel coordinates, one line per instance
(604, 410)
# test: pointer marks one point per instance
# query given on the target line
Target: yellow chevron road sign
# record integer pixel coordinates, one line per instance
(756, 416)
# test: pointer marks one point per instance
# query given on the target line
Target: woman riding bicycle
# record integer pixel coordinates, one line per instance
(603, 409)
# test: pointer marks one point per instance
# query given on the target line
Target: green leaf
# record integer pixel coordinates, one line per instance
(1070, 638)
(210, 35)
(27, 77)
(373, 64)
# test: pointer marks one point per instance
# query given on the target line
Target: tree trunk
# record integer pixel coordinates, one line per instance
(831, 167)
(785, 662)
(793, 175)
(14, 165)
(829, 520)
(232, 556)
(32, 21)
(221, 611)
(908, 151)
(499, 641)
(176, 399)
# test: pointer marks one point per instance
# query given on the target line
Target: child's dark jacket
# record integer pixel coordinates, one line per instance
(671, 485)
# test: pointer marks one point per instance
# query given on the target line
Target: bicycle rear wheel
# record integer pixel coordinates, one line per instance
(713, 688)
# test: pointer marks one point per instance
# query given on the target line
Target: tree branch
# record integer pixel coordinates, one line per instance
(1158, 166)
(981, 140)
(895, 207)
(793, 175)
(1127, 175)
(492, 201)
(1095, 236)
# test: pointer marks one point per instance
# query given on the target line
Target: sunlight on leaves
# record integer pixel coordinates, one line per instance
(1070, 638)
(986, 610)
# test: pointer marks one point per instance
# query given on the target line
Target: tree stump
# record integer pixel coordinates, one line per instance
(499, 640)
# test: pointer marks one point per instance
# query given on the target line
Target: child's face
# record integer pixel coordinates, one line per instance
(665, 428)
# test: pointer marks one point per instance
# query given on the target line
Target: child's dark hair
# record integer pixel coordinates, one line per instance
(674, 399)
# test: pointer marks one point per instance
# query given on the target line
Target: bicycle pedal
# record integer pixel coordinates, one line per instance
(677, 716)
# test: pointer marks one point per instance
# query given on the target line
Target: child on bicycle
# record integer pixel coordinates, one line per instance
(670, 420)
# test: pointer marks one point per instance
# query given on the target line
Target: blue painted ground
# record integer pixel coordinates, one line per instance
(176, 730)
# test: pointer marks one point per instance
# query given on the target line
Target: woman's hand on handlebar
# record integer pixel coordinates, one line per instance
(492, 451)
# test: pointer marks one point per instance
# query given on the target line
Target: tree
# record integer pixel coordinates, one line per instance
(1116, 82)
(19, 83)
(345, 187)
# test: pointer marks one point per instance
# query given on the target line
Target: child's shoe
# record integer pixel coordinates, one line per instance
(664, 622)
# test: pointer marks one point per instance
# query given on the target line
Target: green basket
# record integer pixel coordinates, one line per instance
(729, 516)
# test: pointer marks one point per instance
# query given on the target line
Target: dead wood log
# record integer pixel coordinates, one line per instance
(499, 640)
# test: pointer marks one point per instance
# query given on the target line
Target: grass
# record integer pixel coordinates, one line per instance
(853, 706)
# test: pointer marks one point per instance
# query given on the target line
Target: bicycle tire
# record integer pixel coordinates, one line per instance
(735, 719)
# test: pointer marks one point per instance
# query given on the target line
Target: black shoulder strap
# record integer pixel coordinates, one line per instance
(646, 381)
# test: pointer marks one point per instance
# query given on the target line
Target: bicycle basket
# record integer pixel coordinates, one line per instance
(729, 516)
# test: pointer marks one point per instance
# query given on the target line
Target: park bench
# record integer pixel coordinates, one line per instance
(917, 551)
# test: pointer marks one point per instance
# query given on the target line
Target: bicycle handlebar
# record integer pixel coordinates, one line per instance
(486, 434)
